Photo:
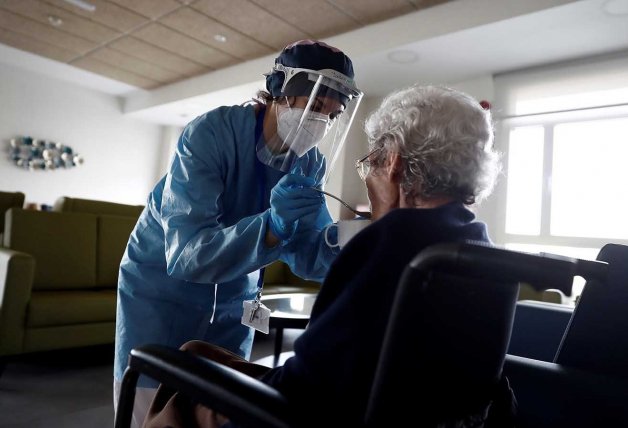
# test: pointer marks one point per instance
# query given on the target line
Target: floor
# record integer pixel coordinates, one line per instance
(74, 389)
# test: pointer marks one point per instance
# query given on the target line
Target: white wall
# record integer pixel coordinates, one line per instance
(123, 156)
(169, 140)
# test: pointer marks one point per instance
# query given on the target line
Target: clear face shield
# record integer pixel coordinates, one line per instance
(314, 114)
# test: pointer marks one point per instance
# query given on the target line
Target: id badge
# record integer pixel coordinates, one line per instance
(256, 315)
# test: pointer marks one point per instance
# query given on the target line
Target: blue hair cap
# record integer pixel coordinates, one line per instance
(310, 54)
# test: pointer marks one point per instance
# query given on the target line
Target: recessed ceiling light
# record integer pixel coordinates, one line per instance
(82, 5)
(55, 21)
(616, 7)
(220, 38)
(403, 56)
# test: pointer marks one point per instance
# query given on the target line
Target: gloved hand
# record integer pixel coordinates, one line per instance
(312, 164)
(292, 199)
(316, 219)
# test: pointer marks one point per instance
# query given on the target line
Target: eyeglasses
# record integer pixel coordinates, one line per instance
(363, 165)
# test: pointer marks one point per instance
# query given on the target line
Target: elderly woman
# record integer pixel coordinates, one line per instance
(430, 158)
(429, 147)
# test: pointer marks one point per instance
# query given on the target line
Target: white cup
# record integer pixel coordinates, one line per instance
(347, 229)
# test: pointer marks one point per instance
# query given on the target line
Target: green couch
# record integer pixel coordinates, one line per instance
(59, 274)
(58, 279)
(279, 279)
(67, 204)
(9, 200)
(526, 292)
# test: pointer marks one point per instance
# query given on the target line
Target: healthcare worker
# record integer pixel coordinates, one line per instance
(239, 195)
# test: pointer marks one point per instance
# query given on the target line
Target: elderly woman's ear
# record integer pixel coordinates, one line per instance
(394, 167)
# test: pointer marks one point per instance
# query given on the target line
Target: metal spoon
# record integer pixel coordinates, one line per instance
(364, 214)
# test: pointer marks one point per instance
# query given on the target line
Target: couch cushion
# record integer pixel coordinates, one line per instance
(275, 273)
(66, 204)
(63, 245)
(68, 336)
(526, 292)
(53, 308)
(113, 235)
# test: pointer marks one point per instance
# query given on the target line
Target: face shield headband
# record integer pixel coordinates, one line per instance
(314, 113)
(338, 81)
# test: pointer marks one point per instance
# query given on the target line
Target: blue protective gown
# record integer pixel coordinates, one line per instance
(196, 250)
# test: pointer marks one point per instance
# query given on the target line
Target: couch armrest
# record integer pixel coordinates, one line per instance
(305, 283)
(17, 271)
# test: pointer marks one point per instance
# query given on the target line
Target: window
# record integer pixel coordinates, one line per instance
(566, 161)
(568, 179)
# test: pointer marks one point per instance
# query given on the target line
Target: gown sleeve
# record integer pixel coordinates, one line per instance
(199, 246)
(307, 254)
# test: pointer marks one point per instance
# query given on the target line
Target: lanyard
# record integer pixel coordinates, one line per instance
(261, 179)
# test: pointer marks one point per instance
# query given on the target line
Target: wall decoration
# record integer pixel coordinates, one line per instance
(34, 154)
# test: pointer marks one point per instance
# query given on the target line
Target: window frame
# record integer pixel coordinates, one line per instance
(548, 121)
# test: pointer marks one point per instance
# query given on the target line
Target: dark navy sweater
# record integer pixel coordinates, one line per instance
(335, 358)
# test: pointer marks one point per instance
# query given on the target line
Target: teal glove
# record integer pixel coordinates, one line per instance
(291, 199)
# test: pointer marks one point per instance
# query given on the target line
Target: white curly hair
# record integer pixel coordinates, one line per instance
(445, 140)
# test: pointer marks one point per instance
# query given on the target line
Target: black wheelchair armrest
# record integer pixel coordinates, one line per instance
(246, 401)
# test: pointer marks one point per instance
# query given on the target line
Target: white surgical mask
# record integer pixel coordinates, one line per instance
(301, 135)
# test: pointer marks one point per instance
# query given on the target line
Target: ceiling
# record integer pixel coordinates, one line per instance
(161, 56)
(151, 43)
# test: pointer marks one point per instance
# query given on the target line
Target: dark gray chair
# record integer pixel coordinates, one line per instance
(596, 338)
(551, 395)
(448, 336)
(586, 385)
(538, 329)
(457, 304)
